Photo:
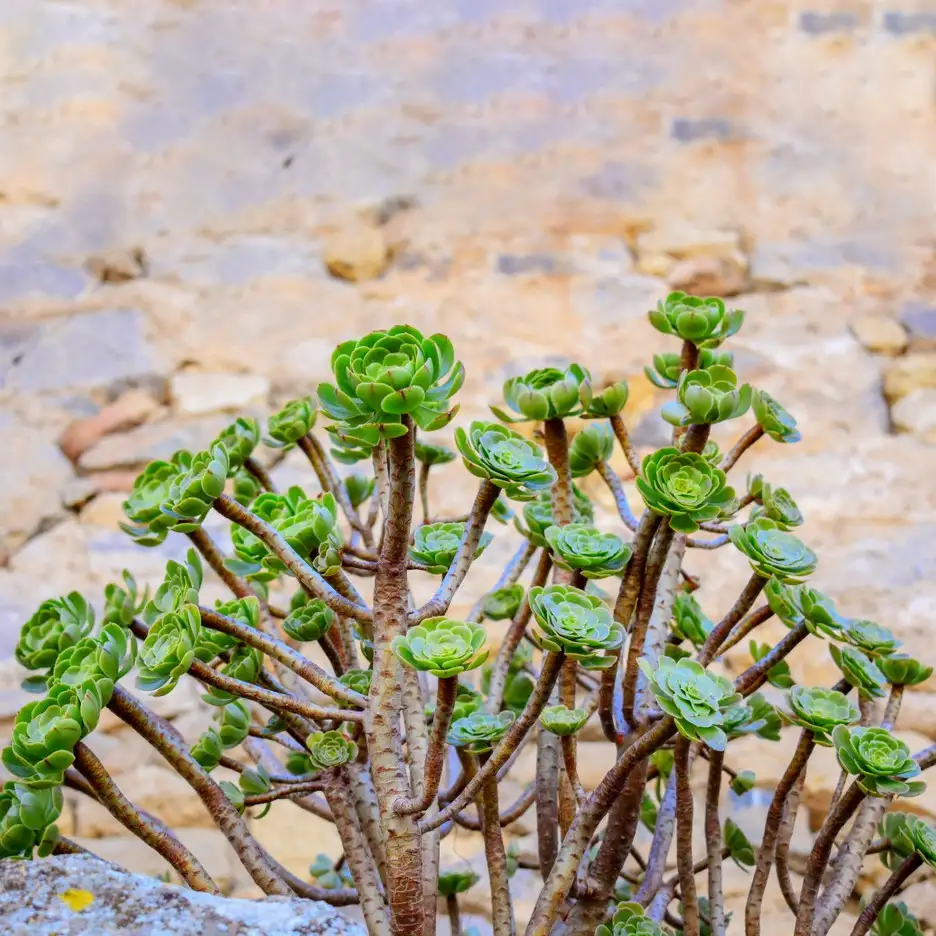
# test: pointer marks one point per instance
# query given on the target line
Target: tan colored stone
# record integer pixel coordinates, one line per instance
(295, 836)
(880, 334)
(906, 374)
(128, 410)
(194, 393)
(916, 414)
(685, 240)
(653, 263)
(105, 510)
(118, 266)
(710, 276)
(918, 713)
(920, 898)
(356, 252)
(76, 492)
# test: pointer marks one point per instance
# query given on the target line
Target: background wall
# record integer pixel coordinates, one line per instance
(181, 179)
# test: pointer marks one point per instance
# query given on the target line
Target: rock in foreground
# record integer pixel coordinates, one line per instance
(79, 894)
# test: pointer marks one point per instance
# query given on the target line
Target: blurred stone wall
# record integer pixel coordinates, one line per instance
(199, 198)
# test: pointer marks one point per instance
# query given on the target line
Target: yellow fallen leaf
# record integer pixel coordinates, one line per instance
(76, 899)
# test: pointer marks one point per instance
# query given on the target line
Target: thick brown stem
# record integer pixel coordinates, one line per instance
(156, 835)
(547, 803)
(382, 726)
(608, 475)
(660, 846)
(562, 876)
(260, 473)
(357, 854)
(502, 918)
(684, 864)
(888, 890)
(713, 843)
(557, 451)
(740, 447)
(213, 556)
(695, 438)
(765, 855)
(454, 915)
(163, 738)
(752, 621)
(722, 629)
(784, 838)
(819, 856)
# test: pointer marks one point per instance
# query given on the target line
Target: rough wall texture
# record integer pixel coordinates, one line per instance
(199, 199)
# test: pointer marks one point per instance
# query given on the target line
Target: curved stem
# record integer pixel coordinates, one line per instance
(888, 890)
(281, 652)
(435, 756)
(260, 473)
(144, 827)
(784, 837)
(304, 573)
(515, 734)
(502, 918)
(164, 739)
(765, 854)
(722, 629)
(609, 476)
(660, 846)
(630, 453)
(740, 447)
(451, 581)
(424, 491)
(510, 574)
(329, 480)
(754, 620)
(547, 802)
(215, 559)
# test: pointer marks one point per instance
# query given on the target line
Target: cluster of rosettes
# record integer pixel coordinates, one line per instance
(435, 545)
(442, 646)
(538, 516)
(630, 920)
(583, 548)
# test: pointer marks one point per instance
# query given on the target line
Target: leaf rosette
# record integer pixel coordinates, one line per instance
(607, 402)
(546, 393)
(774, 419)
(435, 545)
(707, 396)
(882, 764)
(590, 447)
(538, 515)
(329, 749)
(581, 547)
(442, 646)
(148, 524)
(773, 551)
(667, 367)
(238, 440)
(562, 720)
(703, 321)
(820, 711)
(291, 423)
(479, 731)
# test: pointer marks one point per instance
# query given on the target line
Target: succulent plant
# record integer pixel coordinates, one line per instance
(179, 587)
(27, 820)
(244, 664)
(895, 919)
(358, 489)
(357, 679)
(696, 700)
(684, 487)
(329, 749)
(668, 366)
(572, 622)
(776, 504)
(58, 623)
(245, 488)
(704, 322)
(546, 393)
(902, 670)
(800, 604)
(779, 674)
(169, 649)
(41, 742)
(707, 396)
(207, 750)
(741, 850)
(479, 732)
(538, 515)
(194, 490)
(148, 524)
(501, 511)
(428, 453)
(581, 547)
(442, 646)
(881, 763)
(893, 830)
(290, 423)
(773, 551)
(773, 418)
(254, 780)
(388, 374)
(689, 621)
(506, 459)
(860, 671)
(922, 837)
(820, 711)
(103, 659)
(121, 604)
(629, 920)
(870, 637)
(743, 782)
(590, 447)
(562, 720)
(503, 603)
(435, 545)
(456, 882)
(310, 621)
(607, 402)
(238, 440)
(350, 446)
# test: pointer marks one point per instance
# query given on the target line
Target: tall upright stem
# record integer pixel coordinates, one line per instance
(684, 863)
(713, 843)
(382, 724)
(502, 917)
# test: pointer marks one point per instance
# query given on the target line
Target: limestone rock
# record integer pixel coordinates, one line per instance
(105, 510)
(139, 446)
(920, 321)
(118, 266)
(195, 394)
(76, 492)
(31, 902)
(880, 334)
(913, 372)
(356, 252)
(127, 411)
(710, 276)
(916, 414)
